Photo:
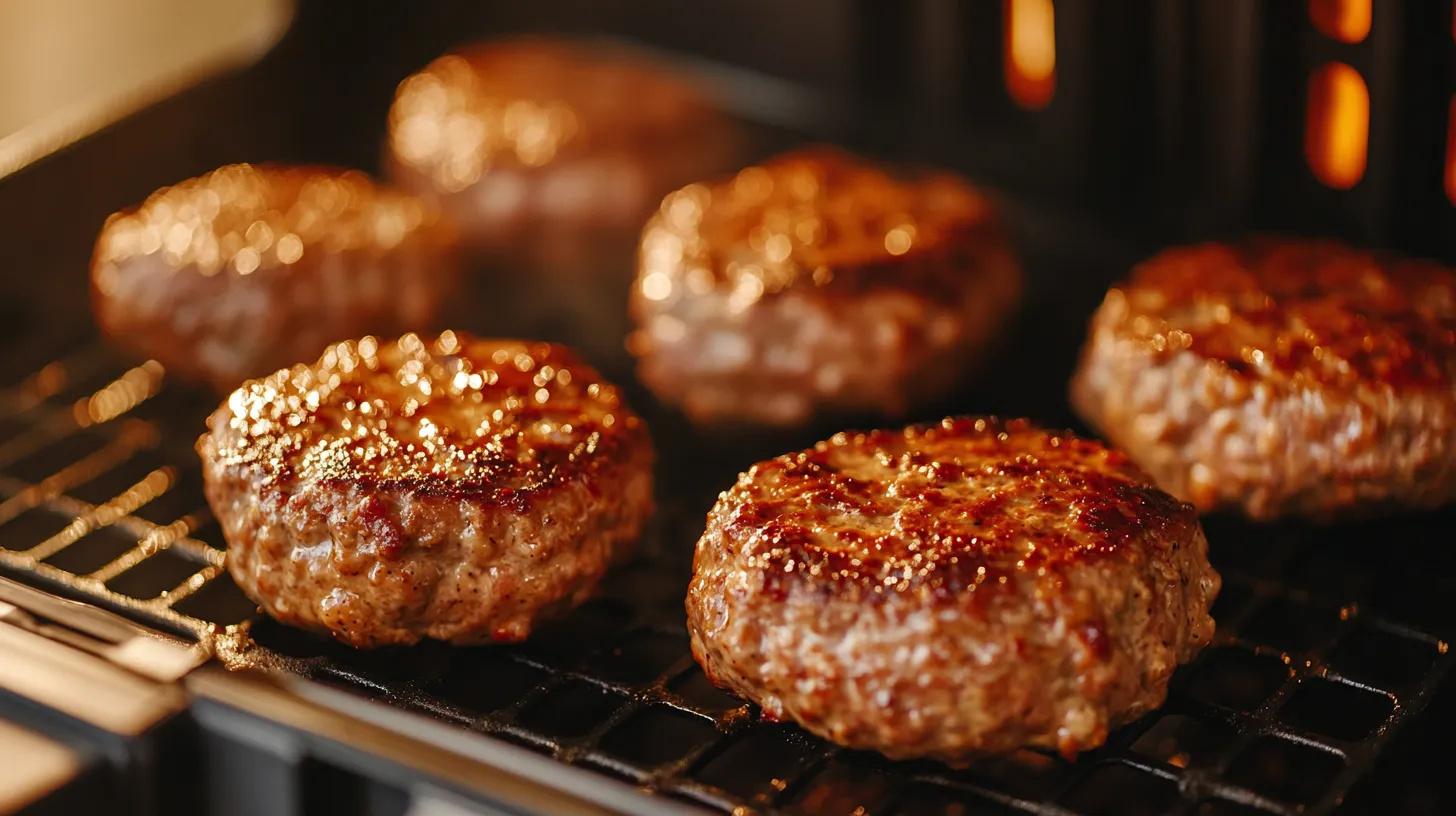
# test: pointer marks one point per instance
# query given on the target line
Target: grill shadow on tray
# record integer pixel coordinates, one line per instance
(1327, 645)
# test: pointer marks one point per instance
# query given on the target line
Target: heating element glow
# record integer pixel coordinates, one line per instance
(1031, 52)
(1345, 20)
(1451, 154)
(1337, 126)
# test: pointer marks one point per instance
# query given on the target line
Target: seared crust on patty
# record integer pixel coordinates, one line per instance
(817, 282)
(246, 269)
(551, 134)
(451, 488)
(951, 590)
(1280, 377)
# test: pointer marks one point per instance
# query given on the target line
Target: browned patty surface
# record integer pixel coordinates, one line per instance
(550, 135)
(1280, 377)
(246, 269)
(950, 590)
(817, 281)
(448, 487)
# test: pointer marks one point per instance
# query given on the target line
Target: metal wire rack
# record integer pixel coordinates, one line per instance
(1330, 646)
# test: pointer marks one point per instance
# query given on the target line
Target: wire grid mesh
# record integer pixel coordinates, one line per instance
(1323, 653)
(90, 499)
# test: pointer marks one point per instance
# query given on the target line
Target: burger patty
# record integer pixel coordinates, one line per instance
(951, 590)
(551, 136)
(246, 269)
(548, 153)
(1280, 377)
(817, 283)
(451, 488)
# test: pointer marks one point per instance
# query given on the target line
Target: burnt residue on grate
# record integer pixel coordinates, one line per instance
(1326, 650)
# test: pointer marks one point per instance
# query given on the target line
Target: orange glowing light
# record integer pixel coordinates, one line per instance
(1337, 126)
(1451, 154)
(1030, 47)
(1345, 20)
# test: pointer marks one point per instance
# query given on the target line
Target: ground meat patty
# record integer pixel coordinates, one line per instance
(1280, 377)
(817, 283)
(248, 269)
(537, 135)
(951, 590)
(449, 488)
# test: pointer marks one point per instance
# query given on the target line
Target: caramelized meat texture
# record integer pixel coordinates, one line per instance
(450, 488)
(817, 283)
(247, 269)
(1280, 377)
(951, 590)
(548, 136)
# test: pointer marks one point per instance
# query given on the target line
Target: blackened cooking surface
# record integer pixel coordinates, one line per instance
(1330, 643)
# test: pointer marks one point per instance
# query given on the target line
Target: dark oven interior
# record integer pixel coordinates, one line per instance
(1164, 121)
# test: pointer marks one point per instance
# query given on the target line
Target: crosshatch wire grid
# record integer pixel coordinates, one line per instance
(1311, 700)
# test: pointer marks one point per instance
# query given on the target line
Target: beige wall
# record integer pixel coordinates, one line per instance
(59, 58)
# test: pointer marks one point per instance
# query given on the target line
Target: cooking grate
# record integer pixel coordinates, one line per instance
(1330, 645)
